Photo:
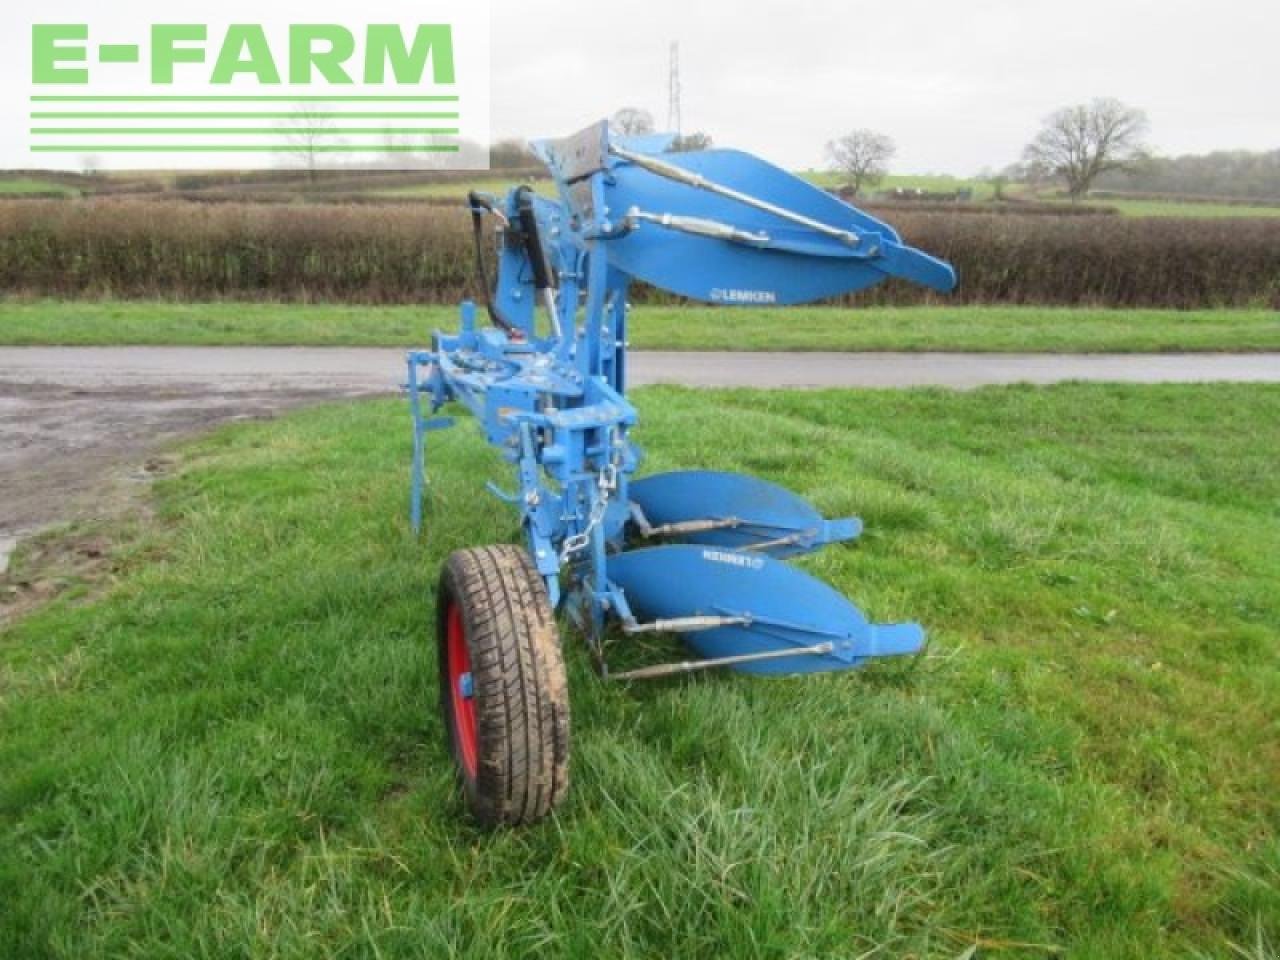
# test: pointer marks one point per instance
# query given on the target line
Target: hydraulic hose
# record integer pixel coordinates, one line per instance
(478, 202)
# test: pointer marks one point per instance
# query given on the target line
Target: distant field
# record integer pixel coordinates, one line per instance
(19, 185)
(936, 183)
(498, 183)
(982, 191)
(458, 189)
(994, 329)
(933, 183)
(1195, 209)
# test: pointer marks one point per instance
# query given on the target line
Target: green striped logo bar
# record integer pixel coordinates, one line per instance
(132, 89)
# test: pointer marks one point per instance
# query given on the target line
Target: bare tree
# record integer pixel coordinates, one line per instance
(1080, 143)
(998, 180)
(397, 154)
(632, 121)
(306, 130)
(861, 157)
(414, 151)
(511, 154)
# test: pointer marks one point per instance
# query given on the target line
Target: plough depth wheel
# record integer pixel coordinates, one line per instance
(503, 690)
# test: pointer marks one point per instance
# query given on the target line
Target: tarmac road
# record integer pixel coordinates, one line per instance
(374, 369)
(72, 416)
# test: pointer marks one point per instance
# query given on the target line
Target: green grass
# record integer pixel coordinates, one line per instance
(457, 189)
(994, 329)
(20, 185)
(982, 190)
(87, 323)
(235, 752)
(1185, 209)
(981, 329)
(1196, 210)
(931, 182)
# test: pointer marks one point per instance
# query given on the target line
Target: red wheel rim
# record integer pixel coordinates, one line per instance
(460, 691)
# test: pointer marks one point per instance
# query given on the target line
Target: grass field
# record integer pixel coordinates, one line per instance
(16, 186)
(457, 190)
(235, 752)
(981, 191)
(931, 182)
(1195, 210)
(1003, 329)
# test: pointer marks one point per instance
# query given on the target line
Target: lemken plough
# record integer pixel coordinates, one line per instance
(695, 553)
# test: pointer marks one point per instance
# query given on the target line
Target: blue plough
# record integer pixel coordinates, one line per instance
(697, 553)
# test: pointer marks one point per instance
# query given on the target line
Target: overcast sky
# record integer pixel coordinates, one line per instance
(959, 85)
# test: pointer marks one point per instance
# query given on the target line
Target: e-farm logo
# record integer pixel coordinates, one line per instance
(401, 85)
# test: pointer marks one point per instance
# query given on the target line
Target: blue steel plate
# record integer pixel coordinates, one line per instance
(685, 580)
(767, 510)
(718, 271)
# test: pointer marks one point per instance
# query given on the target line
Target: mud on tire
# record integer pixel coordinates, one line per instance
(503, 691)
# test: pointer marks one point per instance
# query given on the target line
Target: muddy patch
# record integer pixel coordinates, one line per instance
(55, 562)
(82, 461)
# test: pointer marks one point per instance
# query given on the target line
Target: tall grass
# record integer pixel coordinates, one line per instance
(413, 253)
(236, 752)
(984, 329)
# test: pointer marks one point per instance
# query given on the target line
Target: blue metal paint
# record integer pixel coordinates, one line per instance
(784, 605)
(719, 226)
(765, 516)
(793, 266)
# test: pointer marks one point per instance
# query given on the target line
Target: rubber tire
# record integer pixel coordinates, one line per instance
(520, 692)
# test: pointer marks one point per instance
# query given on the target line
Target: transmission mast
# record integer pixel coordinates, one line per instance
(674, 121)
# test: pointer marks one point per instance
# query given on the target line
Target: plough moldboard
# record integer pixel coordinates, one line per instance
(695, 553)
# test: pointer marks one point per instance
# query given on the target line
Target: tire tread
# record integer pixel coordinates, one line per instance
(521, 691)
